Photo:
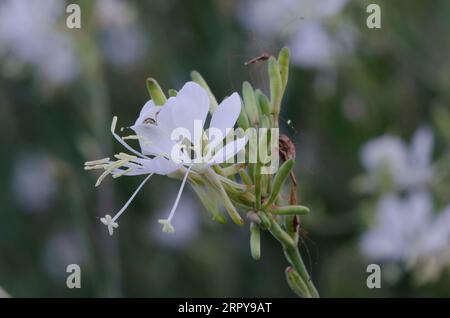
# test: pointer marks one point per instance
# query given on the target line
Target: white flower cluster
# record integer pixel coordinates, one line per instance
(407, 230)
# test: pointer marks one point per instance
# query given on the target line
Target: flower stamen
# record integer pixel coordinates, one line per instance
(167, 225)
(122, 142)
(111, 222)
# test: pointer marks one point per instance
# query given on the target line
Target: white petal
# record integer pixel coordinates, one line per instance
(230, 149)
(153, 140)
(385, 150)
(161, 166)
(158, 165)
(192, 103)
(148, 111)
(165, 119)
(225, 116)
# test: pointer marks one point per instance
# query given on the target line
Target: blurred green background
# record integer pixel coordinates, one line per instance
(60, 87)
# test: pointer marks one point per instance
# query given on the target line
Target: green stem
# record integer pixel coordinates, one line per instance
(293, 255)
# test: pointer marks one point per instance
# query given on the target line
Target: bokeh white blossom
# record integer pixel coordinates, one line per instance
(34, 33)
(407, 166)
(312, 29)
(122, 41)
(409, 232)
(33, 182)
(61, 249)
(408, 229)
(31, 34)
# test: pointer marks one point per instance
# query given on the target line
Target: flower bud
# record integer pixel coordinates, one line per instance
(245, 177)
(296, 283)
(283, 62)
(156, 92)
(255, 241)
(172, 92)
(257, 179)
(196, 77)
(280, 177)
(290, 210)
(264, 103)
(242, 120)
(250, 103)
(276, 87)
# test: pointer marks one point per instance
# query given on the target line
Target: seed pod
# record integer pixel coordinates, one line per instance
(156, 93)
(250, 104)
(255, 241)
(196, 77)
(280, 177)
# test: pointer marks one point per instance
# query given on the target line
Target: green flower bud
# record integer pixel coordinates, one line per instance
(196, 77)
(245, 177)
(257, 178)
(156, 93)
(264, 103)
(265, 179)
(255, 241)
(232, 170)
(296, 283)
(172, 92)
(290, 210)
(283, 62)
(242, 121)
(276, 88)
(250, 103)
(280, 177)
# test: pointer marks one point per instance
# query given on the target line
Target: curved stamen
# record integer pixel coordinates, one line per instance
(110, 222)
(122, 142)
(167, 226)
(131, 198)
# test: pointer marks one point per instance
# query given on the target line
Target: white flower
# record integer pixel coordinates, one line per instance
(407, 231)
(33, 182)
(408, 166)
(121, 39)
(154, 129)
